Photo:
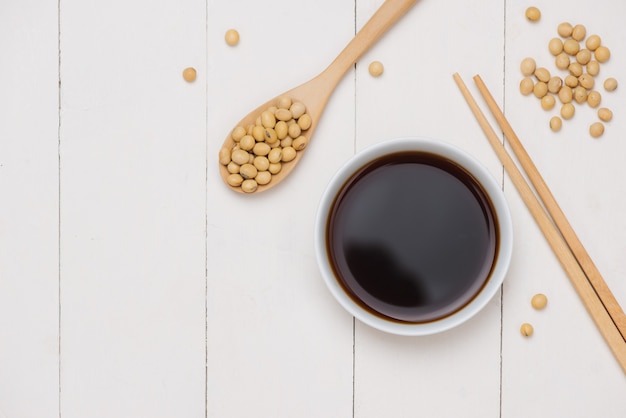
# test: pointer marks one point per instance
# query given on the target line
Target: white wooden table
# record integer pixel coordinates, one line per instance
(133, 283)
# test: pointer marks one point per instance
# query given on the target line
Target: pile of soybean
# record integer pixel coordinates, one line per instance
(581, 58)
(261, 149)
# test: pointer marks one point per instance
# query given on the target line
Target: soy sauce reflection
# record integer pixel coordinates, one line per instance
(380, 274)
(412, 237)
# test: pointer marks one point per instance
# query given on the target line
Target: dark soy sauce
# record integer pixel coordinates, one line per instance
(412, 237)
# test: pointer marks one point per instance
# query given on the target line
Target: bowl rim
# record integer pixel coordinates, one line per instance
(490, 185)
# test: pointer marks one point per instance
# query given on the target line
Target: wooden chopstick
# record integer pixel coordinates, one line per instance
(557, 215)
(597, 310)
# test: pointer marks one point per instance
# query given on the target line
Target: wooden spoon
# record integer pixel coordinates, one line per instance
(315, 93)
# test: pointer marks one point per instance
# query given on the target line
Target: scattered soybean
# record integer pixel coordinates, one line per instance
(596, 129)
(581, 57)
(231, 37)
(533, 14)
(376, 68)
(539, 301)
(189, 74)
(526, 329)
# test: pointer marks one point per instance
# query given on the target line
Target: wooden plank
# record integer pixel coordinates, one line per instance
(278, 344)
(29, 178)
(456, 373)
(145, 217)
(566, 354)
(132, 209)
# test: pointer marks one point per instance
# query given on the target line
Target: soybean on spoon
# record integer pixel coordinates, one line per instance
(314, 94)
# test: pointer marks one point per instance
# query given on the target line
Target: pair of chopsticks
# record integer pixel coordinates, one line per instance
(582, 272)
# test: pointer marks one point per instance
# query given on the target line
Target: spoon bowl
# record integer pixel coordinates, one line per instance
(314, 94)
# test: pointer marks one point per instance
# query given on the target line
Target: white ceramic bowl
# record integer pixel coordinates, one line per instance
(489, 185)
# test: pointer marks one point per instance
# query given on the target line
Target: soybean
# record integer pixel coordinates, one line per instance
(571, 46)
(540, 89)
(593, 68)
(284, 102)
(239, 157)
(294, 130)
(289, 153)
(539, 301)
(299, 143)
(261, 163)
(548, 102)
(571, 81)
(249, 186)
(268, 119)
(283, 115)
(594, 98)
(247, 143)
(567, 111)
(270, 136)
(234, 180)
(593, 42)
(258, 133)
(555, 46)
(231, 37)
(286, 142)
(586, 81)
(556, 123)
(275, 168)
(527, 66)
(533, 14)
(575, 69)
(578, 86)
(605, 114)
(564, 29)
(562, 61)
(259, 149)
(238, 133)
(264, 177)
(542, 74)
(297, 110)
(189, 74)
(579, 32)
(233, 168)
(610, 84)
(580, 94)
(304, 122)
(376, 68)
(526, 330)
(596, 129)
(602, 54)
(565, 94)
(554, 84)
(224, 156)
(275, 155)
(583, 56)
(526, 86)
(282, 130)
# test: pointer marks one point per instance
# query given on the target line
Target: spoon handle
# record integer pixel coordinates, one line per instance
(385, 17)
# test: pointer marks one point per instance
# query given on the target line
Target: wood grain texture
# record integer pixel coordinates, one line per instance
(133, 283)
(568, 261)
(316, 92)
(607, 299)
(133, 170)
(277, 342)
(593, 169)
(403, 377)
(29, 210)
